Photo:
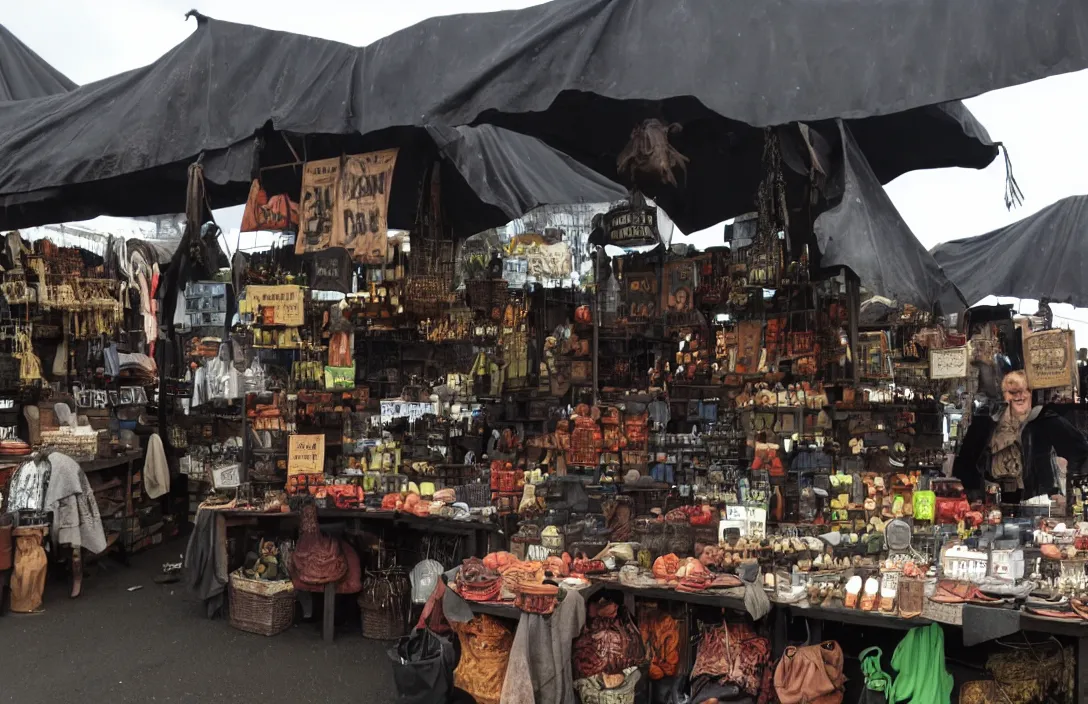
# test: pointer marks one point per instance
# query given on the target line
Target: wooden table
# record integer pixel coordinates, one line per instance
(477, 537)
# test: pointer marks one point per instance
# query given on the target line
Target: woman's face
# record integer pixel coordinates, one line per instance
(1018, 398)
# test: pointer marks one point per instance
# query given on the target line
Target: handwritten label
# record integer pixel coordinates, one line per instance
(284, 301)
(1047, 359)
(305, 454)
(949, 363)
(317, 207)
(363, 204)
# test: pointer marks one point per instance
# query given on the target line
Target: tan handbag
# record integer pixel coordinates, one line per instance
(810, 675)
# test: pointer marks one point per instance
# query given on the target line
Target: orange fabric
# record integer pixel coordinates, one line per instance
(270, 214)
(661, 635)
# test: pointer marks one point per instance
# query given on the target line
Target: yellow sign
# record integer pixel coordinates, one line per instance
(305, 454)
(285, 301)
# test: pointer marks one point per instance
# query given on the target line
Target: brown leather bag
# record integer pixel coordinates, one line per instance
(811, 674)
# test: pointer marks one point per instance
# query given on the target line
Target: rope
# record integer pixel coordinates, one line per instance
(1014, 197)
(919, 660)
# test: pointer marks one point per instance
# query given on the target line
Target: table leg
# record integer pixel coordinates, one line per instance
(328, 626)
(1082, 671)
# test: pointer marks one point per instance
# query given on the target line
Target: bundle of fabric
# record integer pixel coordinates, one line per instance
(477, 582)
(732, 654)
(609, 689)
(919, 659)
(810, 675)
(661, 636)
(317, 559)
(485, 651)
(610, 643)
(76, 519)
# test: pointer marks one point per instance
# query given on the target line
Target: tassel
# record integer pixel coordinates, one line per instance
(1014, 197)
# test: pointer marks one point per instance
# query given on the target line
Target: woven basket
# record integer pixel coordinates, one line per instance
(264, 608)
(384, 603)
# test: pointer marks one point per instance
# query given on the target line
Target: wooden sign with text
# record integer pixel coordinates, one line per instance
(949, 363)
(305, 454)
(1047, 359)
(285, 302)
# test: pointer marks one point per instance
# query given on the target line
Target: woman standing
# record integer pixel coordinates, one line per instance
(1017, 447)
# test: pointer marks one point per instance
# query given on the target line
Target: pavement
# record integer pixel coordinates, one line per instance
(155, 645)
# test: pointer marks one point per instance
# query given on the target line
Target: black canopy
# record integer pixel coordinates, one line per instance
(866, 233)
(579, 74)
(1045, 255)
(24, 74)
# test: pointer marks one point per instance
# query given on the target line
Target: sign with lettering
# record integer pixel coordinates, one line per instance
(305, 454)
(332, 270)
(317, 206)
(226, 476)
(340, 377)
(631, 225)
(363, 204)
(948, 363)
(1047, 359)
(284, 301)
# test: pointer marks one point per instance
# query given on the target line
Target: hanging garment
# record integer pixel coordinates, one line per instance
(28, 580)
(734, 654)
(485, 652)
(539, 670)
(205, 565)
(76, 520)
(610, 643)
(661, 635)
(26, 491)
(156, 469)
(919, 659)
(318, 558)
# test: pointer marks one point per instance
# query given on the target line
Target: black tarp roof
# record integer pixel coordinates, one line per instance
(576, 73)
(1045, 255)
(24, 74)
(865, 232)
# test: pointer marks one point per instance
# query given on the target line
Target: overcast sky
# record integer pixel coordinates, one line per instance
(1041, 123)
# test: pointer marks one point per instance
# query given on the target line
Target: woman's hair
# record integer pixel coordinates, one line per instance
(1018, 378)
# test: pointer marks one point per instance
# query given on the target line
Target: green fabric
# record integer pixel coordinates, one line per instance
(919, 660)
(875, 677)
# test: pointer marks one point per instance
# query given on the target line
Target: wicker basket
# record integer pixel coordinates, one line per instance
(264, 608)
(384, 604)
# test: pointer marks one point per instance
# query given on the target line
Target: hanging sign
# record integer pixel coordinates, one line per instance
(317, 206)
(948, 363)
(631, 225)
(1047, 359)
(285, 303)
(332, 270)
(363, 205)
(305, 454)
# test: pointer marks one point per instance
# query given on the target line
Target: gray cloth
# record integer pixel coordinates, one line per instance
(756, 601)
(156, 469)
(205, 567)
(537, 674)
(76, 521)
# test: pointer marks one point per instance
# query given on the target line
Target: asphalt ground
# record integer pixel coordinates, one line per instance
(154, 644)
